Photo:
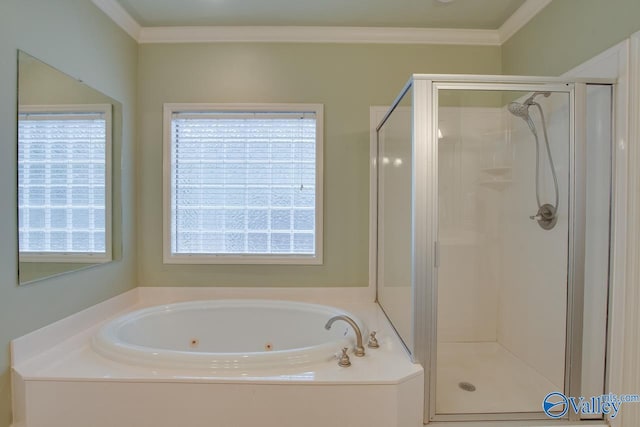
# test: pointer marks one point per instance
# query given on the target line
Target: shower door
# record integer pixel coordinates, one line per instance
(493, 237)
(504, 215)
(503, 190)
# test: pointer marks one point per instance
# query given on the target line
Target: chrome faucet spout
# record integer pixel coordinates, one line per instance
(359, 351)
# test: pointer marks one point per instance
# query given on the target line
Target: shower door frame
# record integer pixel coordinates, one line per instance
(425, 244)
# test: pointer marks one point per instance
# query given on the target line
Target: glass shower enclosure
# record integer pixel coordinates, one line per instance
(493, 227)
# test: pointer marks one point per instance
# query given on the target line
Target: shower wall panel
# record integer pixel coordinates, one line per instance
(469, 274)
(394, 221)
(598, 217)
(533, 289)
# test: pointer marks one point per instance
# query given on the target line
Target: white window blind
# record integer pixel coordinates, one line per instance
(61, 182)
(243, 183)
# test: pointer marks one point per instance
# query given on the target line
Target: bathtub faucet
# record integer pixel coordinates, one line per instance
(359, 347)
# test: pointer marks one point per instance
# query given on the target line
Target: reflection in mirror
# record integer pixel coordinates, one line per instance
(68, 205)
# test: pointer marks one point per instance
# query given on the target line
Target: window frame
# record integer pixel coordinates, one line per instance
(212, 258)
(80, 257)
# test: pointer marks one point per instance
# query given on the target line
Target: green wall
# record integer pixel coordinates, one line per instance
(75, 37)
(567, 33)
(346, 78)
(78, 39)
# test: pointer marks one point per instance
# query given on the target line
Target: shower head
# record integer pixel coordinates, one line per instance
(519, 110)
(522, 110)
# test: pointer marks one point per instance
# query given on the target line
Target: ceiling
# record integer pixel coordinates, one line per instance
(457, 14)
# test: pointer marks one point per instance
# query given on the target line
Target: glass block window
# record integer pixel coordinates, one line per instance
(62, 185)
(244, 184)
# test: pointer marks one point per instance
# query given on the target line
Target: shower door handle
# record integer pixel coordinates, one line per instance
(436, 254)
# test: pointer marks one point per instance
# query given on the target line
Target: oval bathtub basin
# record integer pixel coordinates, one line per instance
(226, 335)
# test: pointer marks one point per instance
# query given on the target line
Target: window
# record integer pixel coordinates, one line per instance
(243, 183)
(63, 186)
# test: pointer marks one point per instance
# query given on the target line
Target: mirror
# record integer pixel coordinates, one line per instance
(69, 145)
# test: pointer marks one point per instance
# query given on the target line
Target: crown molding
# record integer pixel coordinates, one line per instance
(294, 34)
(319, 35)
(520, 18)
(120, 16)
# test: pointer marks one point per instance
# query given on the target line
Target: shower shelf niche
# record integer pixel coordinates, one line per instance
(500, 178)
(498, 171)
(496, 184)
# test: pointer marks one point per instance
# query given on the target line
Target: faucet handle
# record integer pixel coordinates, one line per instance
(343, 360)
(373, 341)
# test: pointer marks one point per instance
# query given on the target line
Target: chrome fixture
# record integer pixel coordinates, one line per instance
(343, 359)
(547, 213)
(546, 216)
(466, 386)
(373, 341)
(359, 351)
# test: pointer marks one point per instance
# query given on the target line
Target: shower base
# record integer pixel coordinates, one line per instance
(503, 383)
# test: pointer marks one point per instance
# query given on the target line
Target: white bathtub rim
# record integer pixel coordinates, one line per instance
(107, 344)
(33, 345)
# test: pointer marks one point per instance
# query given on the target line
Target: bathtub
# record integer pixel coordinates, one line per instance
(100, 364)
(233, 335)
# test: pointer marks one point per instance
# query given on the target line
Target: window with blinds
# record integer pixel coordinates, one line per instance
(243, 184)
(62, 183)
